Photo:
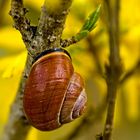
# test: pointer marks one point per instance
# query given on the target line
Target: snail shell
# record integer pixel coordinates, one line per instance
(54, 94)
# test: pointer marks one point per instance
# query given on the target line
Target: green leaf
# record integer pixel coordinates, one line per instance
(88, 26)
(82, 34)
(92, 19)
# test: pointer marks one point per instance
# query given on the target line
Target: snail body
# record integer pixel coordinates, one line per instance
(54, 94)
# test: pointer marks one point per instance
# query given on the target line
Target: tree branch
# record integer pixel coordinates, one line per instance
(21, 23)
(130, 73)
(17, 125)
(50, 25)
(37, 39)
(115, 68)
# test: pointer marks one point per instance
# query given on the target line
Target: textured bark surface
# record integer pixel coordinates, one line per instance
(36, 40)
(114, 70)
(44, 36)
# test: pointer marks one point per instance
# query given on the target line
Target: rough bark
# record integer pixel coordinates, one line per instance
(37, 39)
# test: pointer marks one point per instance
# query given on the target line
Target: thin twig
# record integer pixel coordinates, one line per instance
(130, 73)
(67, 42)
(115, 68)
(87, 27)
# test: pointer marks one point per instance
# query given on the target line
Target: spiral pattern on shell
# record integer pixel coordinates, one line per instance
(54, 94)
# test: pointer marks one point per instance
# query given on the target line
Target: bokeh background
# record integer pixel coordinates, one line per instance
(89, 58)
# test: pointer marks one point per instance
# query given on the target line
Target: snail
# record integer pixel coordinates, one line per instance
(54, 94)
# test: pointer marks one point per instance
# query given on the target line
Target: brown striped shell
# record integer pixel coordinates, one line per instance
(54, 94)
